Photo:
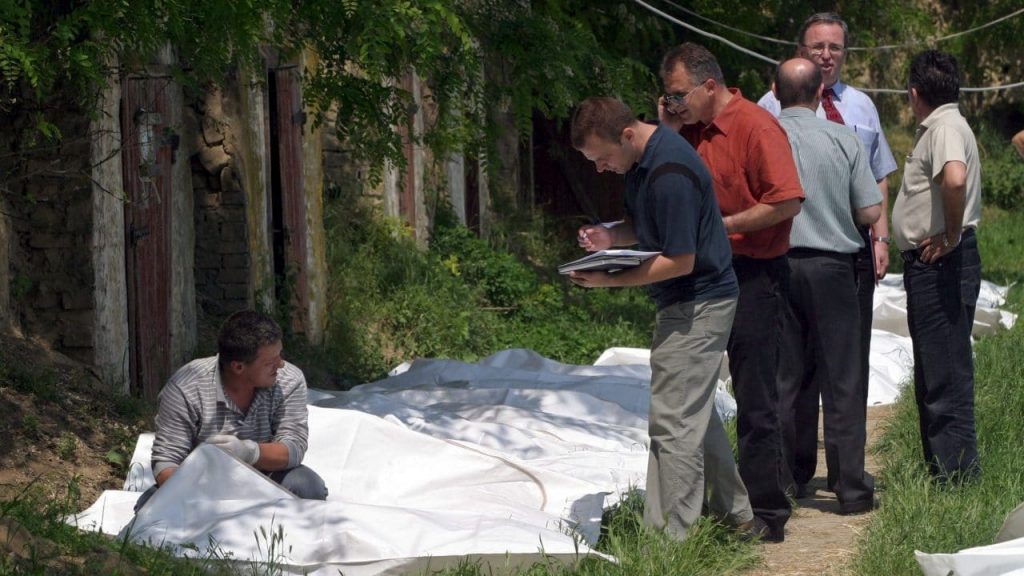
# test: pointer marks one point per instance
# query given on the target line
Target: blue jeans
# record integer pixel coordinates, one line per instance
(941, 298)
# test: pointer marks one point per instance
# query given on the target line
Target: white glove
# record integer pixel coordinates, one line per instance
(245, 450)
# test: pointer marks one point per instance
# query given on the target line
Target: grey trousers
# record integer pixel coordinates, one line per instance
(690, 459)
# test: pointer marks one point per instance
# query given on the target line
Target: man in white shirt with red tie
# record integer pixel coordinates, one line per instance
(824, 40)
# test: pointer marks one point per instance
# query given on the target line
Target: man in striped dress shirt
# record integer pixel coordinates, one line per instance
(821, 346)
(247, 400)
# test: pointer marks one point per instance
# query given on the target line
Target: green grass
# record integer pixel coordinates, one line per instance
(710, 549)
(916, 514)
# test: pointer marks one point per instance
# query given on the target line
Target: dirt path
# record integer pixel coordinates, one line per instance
(819, 541)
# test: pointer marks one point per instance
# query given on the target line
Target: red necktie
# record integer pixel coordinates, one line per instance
(831, 112)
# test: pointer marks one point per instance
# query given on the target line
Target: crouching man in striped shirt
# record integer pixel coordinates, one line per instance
(246, 400)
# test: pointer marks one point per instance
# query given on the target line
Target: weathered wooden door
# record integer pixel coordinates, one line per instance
(146, 156)
(287, 120)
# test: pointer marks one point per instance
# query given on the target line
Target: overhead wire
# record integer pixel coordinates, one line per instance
(693, 28)
(770, 60)
(851, 48)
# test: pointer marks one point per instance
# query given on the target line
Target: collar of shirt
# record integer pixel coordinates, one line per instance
(838, 89)
(725, 119)
(938, 114)
(647, 158)
(797, 111)
(218, 383)
(219, 386)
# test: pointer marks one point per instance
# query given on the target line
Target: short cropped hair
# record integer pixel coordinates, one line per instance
(698, 60)
(936, 77)
(823, 18)
(601, 116)
(243, 334)
(800, 90)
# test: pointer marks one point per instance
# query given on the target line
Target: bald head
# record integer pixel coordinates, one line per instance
(798, 83)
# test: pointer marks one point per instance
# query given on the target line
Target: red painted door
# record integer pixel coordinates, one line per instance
(146, 157)
(288, 119)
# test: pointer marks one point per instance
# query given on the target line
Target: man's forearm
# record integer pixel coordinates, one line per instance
(880, 229)
(954, 198)
(761, 216)
(623, 233)
(273, 457)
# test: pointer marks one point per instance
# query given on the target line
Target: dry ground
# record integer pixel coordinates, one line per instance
(820, 542)
(66, 430)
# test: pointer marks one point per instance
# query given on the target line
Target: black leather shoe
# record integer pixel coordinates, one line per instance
(862, 507)
(802, 491)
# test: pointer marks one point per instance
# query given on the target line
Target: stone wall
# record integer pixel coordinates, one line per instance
(48, 196)
(222, 260)
(5, 269)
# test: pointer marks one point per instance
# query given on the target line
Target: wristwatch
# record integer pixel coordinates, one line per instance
(883, 239)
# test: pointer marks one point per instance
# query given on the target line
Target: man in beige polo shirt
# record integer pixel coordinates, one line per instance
(936, 213)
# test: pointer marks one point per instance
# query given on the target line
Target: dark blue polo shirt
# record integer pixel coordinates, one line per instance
(670, 199)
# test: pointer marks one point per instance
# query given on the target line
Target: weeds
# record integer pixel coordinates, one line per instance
(917, 514)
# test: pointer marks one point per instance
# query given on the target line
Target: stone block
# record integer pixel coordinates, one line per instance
(208, 260)
(41, 239)
(236, 261)
(209, 199)
(213, 130)
(56, 259)
(211, 292)
(232, 231)
(232, 215)
(45, 298)
(226, 182)
(236, 292)
(44, 215)
(233, 247)
(232, 306)
(77, 298)
(77, 329)
(235, 198)
(233, 276)
(214, 159)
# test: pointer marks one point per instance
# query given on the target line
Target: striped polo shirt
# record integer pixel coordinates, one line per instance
(836, 176)
(193, 407)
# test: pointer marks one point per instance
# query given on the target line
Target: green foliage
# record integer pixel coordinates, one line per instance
(40, 382)
(916, 514)
(391, 301)
(67, 446)
(1002, 171)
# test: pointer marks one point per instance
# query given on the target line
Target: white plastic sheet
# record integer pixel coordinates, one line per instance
(506, 461)
(1003, 559)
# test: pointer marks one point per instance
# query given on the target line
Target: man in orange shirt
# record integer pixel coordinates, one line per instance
(758, 191)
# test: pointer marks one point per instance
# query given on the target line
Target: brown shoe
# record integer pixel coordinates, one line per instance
(758, 530)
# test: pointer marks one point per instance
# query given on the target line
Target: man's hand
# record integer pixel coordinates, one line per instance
(881, 250)
(933, 249)
(245, 450)
(591, 279)
(595, 237)
(667, 118)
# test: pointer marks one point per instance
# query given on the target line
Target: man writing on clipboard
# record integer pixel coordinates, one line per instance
(671, 208)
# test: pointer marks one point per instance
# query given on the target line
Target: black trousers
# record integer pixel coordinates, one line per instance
(865, 270)
(821, 356)
(941, 299)
(753, 360)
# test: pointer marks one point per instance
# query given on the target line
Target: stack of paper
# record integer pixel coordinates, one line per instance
(607, 260)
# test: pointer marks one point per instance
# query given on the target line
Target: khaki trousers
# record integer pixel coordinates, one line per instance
(690, 459)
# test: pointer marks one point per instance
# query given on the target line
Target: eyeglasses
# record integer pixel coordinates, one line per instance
(673, 101)
(819, 49)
